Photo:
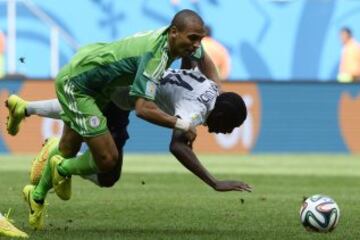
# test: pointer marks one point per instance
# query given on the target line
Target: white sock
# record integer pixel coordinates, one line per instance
(92, 178)
(46, 108)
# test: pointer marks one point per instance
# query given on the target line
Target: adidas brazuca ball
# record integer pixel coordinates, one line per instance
(319, 213)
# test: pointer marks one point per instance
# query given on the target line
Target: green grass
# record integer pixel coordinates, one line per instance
(157, 198)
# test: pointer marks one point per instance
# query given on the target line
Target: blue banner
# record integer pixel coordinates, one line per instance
(282, 117)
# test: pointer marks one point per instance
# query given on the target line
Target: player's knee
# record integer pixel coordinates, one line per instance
(68, 150)
(108, 180)
(70, 142)
(107, 162)
(108, 183)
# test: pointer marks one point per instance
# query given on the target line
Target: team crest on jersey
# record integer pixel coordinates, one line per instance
(196, 119)
(94, 121)
(150, 89)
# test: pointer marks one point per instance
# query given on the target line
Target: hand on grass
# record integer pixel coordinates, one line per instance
(224, 186)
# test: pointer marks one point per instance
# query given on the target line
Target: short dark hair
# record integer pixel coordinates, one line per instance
(183, 17)
(208, 30)
(347, 30)
(233, 107)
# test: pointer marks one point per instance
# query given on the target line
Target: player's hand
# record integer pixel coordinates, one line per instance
(224, 186)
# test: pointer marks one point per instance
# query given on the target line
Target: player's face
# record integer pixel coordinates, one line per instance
(184, 43)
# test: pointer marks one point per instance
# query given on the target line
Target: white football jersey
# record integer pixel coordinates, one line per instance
(187, 94)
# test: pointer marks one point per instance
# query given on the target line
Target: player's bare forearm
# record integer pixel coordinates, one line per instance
(181, 149)
(150, 112)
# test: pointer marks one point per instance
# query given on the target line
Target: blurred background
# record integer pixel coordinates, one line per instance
(287, 58)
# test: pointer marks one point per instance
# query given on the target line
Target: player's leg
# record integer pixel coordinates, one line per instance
(40, 161)
(104, 152)
(19, 109)
(100, 179)
(16, 107)
(105, 157)
(81, 113)
(110, 178)
(117, 122)
(35, 195)
(65, 149)
(70, 142)
(68, 147)
(45, 108)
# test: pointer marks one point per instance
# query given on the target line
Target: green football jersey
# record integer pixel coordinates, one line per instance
(137, 61)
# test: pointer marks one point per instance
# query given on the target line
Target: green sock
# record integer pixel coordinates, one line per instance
(83, 164)
(45, 183)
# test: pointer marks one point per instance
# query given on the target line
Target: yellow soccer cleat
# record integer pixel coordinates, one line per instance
(8, 229)
(61, 184)
(36, 210)
(16, 107)
(39, 162)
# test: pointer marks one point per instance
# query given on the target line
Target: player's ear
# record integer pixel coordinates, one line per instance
(173, 31)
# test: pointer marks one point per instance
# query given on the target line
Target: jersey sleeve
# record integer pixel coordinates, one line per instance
(147, 76)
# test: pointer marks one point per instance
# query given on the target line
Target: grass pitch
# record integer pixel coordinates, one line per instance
(157, 198)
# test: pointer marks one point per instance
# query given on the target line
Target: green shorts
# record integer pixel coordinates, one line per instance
(80, 111)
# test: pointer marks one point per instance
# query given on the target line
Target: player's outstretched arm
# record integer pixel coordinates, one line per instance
(180, 147)
(150, 112)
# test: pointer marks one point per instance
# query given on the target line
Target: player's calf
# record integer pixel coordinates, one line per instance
(70, 143)
(110, 178)
(104, 152)
(106, 161)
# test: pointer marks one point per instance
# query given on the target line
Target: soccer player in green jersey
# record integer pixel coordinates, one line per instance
(84, 87)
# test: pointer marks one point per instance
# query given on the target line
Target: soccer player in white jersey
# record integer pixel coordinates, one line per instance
(187, 94)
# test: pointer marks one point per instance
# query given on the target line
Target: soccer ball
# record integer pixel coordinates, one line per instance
(319, 213)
